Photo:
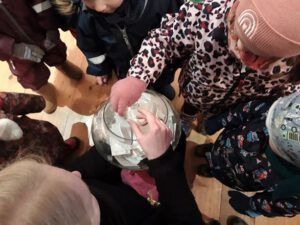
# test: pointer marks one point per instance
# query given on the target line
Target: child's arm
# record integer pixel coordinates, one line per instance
(175, 39)
(46, 14)
(235, 116)
(93, 49)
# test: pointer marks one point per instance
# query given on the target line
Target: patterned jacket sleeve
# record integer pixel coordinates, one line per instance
(92, 48)
(21, 104)
(175, 39)
(237, 115)
(262, 203)
(6, 47)
(46, 14)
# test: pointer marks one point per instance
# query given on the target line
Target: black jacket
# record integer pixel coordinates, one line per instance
(121, 205)
(109, 41)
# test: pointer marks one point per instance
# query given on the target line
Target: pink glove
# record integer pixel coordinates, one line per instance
(125, 92)
(157, 140)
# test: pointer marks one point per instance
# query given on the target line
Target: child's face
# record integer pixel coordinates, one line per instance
(103, 6)
(244, 55)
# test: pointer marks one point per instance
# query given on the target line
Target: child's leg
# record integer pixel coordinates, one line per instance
(21, 104)
(188, 115)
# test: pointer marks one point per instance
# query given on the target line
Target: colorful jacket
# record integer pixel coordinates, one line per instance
(24, 21)
(197, 35)
(241, 159)
(109, 41)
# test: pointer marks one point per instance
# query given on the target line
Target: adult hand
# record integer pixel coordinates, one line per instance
(158, 138)
(125, 92)
(52, 38)
(241, 203)
(28, 52)
(102, 80)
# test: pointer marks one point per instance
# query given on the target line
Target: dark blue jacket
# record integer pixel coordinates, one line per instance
(109, 41)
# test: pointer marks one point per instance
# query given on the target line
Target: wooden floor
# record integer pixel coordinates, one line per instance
(78, 101)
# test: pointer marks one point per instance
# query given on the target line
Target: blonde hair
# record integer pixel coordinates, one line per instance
(29, 197)
(65, 7)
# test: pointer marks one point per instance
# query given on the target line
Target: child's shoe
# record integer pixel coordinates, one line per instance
(70, 70)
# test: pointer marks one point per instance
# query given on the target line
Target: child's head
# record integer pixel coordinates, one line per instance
(267, 28)
(35, 193)
(66, 7)
(103, 6)
(283, 123)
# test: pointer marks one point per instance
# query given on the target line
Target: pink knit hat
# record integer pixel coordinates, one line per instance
(269, 28)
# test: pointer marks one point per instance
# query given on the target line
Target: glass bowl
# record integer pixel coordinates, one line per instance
(114, 138)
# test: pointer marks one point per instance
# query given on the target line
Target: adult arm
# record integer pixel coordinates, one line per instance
(177, 203)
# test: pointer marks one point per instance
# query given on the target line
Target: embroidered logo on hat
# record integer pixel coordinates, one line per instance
(248, 22)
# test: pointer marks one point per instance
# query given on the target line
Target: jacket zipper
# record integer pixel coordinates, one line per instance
(126, 39)
(15, 24)
(124, 33)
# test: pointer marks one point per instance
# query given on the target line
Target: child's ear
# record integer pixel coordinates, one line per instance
(9, 130)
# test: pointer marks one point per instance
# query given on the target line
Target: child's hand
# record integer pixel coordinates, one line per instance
(157, 140)
(102, 80)
(29, 52)
(125, 92)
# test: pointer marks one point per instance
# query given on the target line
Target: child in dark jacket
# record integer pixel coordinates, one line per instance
(110, 33)
(258, 150)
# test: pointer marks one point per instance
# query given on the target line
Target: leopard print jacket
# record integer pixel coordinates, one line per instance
(197, 35)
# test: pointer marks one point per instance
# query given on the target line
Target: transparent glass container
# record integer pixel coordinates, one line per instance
(114, 138)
